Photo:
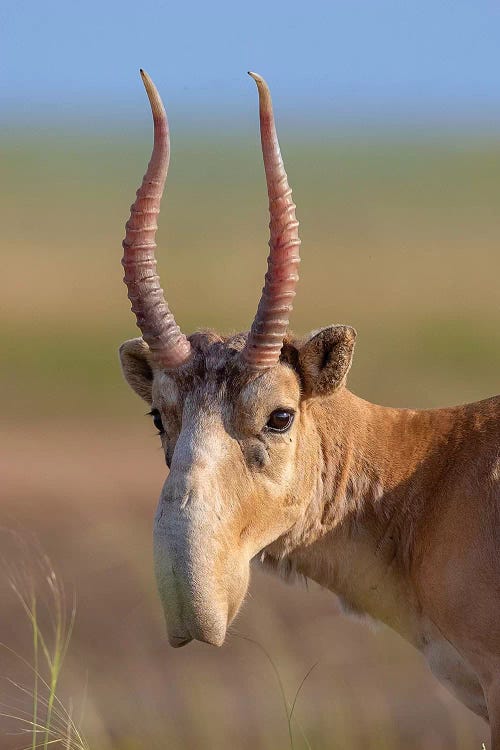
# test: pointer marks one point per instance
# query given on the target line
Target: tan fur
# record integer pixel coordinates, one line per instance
(396, 511)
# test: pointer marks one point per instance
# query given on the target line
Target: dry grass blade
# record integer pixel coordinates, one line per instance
(294, 702)
(288, 709)
(36, 586)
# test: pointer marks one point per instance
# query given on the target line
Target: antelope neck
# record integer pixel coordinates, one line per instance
(378, 470)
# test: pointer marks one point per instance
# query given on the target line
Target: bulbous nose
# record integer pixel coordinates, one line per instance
(193, 597)
(201, 567)
(190, 613)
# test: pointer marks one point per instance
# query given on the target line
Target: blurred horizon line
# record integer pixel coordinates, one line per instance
(91, 118)
(209, 110)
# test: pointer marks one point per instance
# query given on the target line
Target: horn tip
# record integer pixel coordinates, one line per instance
(256, 77)
(153, 95)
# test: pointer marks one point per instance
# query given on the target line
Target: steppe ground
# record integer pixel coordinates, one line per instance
(400, 239)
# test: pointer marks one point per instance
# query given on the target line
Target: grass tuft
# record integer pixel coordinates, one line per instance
(38, 589)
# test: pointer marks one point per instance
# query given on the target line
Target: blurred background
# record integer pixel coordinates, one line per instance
(389, 121)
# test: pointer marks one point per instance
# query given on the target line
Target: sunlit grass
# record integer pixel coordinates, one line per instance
(49, 722)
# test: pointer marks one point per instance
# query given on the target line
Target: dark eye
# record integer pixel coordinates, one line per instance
(280, 420)
(157, 420)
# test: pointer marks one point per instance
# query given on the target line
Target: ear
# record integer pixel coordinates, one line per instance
(324, 359)
(135, 361)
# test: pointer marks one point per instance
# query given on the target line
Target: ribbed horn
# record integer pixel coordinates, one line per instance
(167, 343)
(265, 340)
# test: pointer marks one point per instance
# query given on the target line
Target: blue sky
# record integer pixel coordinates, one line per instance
(420, 61)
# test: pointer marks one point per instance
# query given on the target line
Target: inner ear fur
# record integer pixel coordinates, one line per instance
(323, 359)
(135, 358)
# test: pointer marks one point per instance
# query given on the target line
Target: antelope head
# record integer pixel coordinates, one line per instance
(236, 415)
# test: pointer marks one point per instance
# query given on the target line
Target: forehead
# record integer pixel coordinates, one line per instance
(217, 373)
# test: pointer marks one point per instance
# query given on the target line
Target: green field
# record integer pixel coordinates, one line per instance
(399, 240)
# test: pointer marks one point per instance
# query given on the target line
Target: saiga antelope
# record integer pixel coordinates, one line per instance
(395, 510)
